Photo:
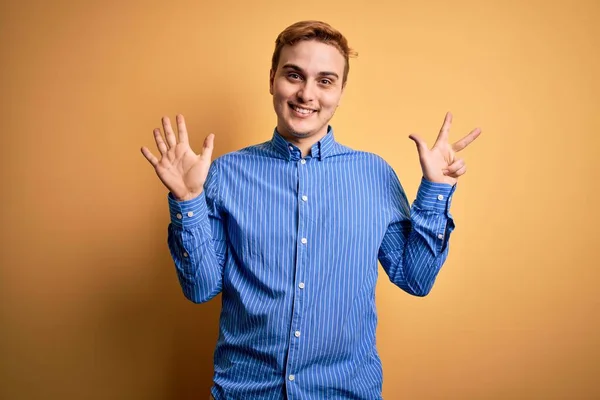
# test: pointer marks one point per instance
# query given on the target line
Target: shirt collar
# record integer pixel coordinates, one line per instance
(320, 150)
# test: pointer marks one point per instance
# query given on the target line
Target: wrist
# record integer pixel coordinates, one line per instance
(188, 196)
(444, 180)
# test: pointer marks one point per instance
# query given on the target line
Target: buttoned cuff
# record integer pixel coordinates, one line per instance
(188, 213)
(434, 196)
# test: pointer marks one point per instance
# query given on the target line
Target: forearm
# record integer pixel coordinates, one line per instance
(423, 257)
(197, 247)
(420, 246)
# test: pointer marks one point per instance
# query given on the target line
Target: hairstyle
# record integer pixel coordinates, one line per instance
(313, 30)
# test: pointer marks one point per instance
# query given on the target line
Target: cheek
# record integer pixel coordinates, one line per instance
(281, 90)
(331, 100)
(280, 104)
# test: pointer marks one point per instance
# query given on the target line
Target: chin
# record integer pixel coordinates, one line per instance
(300, 134)
(303, 130)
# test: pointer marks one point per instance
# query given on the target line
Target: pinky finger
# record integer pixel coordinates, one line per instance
(149, 156)
(461, 171)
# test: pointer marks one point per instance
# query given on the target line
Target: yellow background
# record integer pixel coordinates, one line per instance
(90, 305)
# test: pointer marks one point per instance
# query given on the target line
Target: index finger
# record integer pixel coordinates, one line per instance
(445, 129)
(464, 142)
(181, 129)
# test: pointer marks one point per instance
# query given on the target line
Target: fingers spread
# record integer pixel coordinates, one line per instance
(182, 129)
(209, 144)
(169, 134)
(445, 129)
(162, 147)
(421, 145)
(149, 156)
(464, 142)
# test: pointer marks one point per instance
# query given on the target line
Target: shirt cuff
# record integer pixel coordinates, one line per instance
(188, 213)
(434, 196)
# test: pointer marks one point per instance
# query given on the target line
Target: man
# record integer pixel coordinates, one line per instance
(290, 232)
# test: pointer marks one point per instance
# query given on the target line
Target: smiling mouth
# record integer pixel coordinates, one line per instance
(301, 110)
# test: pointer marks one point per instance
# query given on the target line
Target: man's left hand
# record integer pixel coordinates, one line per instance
(440, 164)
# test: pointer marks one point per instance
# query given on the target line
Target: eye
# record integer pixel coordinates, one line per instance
(326, 82)
(294, 76)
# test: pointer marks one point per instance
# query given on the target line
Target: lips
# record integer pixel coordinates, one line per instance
(302, 111)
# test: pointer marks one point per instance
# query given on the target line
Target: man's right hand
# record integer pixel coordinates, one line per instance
(181, 170)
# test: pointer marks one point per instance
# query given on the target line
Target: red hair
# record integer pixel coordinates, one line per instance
(313, 30)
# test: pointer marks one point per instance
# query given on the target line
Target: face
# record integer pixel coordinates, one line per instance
(307, 88)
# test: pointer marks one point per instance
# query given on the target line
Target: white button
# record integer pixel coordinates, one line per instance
(304, 198)
(297, 333)
(179, 216)
(301, 285)
(303, 161)
(291, 377)
(185, 254)
(440, 197)
(304, 240)
(440, 236)
(291, 148)
(190, 214)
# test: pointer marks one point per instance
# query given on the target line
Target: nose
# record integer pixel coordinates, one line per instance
(306, 93)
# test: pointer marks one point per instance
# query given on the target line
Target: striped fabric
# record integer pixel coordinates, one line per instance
(293, 245)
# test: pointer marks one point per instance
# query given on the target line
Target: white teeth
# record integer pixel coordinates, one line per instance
(302, 110)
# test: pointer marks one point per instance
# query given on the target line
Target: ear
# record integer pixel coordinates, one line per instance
(271, 77)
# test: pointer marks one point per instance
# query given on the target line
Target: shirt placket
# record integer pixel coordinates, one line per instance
(299, 284)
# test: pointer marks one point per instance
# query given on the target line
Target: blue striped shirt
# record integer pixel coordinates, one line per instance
(293, 245)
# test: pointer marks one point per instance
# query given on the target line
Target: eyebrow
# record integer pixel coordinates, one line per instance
(298, 69)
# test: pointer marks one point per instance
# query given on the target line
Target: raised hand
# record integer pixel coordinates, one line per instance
(440, 164)
(181, 170)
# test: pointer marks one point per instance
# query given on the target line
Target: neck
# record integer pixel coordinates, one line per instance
(303, 143)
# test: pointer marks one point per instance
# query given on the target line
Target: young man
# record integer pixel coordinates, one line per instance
(290, 232)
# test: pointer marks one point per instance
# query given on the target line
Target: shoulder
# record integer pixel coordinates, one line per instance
(365, 158)
(245, 155)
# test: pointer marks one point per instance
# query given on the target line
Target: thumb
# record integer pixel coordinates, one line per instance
(421, 145)
(208, 146)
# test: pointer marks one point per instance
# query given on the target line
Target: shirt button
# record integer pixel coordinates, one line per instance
(291, 377)
(185, 254)
(297, 333)
(440, 236)
(301, 285)
(179, 216)
(291, 148)
(304, 241)
(303, 161)
(304, 198)
(440, 197)
(190, 214)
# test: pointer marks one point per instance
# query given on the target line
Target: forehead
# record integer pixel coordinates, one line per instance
(313, 57)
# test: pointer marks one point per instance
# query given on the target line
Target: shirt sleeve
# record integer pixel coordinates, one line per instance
(415, 244)
(197, 241)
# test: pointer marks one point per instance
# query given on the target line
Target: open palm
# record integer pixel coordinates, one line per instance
(440, 164)
(181, 170)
